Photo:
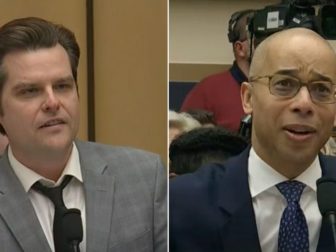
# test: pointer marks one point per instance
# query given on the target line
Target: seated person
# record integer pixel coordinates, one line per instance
(330, 147)
(205, 118)
(201, 146)
(180, 123)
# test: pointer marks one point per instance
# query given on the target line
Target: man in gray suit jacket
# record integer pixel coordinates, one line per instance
(118, 193)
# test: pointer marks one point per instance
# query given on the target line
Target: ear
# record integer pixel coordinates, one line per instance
(246, 97)
(240, 48)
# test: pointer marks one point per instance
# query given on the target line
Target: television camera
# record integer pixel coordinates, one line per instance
(319, 16)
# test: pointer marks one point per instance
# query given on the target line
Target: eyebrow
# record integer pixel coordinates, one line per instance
(295, 72)
(20, 85)
(65, 79)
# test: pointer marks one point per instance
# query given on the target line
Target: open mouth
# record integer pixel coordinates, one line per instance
(300, 130)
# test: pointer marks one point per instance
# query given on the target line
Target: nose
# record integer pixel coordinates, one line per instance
(51, 102)
(302, 102)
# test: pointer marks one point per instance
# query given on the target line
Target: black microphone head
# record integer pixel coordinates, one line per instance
(326, 195)
(72, 225)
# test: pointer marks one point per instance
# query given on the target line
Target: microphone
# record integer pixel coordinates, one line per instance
(73, 228)
(326, 200)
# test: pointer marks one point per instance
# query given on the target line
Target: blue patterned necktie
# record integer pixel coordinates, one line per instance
(293, 232)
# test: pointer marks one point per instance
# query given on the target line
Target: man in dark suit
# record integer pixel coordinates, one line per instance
(261, 199)
(57, 193)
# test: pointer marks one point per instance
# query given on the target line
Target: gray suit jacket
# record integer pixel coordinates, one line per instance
(125, 195)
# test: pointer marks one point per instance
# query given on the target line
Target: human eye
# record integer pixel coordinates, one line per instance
(284, 85)
(322, 89)
(28, 91)
(64, 86)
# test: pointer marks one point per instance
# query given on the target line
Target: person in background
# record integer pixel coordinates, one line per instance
(330, 147)
(220, 93)
(59, 193)
(205, 118)
(202, 146)
(265, 198)
(180, 123)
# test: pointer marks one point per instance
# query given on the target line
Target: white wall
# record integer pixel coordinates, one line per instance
(198, 29)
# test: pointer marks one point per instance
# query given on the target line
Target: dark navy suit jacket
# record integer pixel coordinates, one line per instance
(211, 209)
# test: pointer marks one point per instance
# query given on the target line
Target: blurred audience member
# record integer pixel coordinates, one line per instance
(330, 147)
(220, 93)
(204, 117)
(180, 123)
(201, 146)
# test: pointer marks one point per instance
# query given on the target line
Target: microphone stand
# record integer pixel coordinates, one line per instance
(73, 228)
(326, 200)
(75, 246)
(332, 221)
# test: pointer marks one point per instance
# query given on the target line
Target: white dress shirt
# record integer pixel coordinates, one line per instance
(269, 203)
(73, 193)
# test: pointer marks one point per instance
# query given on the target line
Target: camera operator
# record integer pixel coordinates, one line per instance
(220, 93)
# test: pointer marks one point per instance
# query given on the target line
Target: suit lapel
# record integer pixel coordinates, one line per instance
(326, 242)
(99, 191)
(17, 211)
(234, 200)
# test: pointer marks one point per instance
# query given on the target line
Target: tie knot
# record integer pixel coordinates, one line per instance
(291, 190)
(53, 193)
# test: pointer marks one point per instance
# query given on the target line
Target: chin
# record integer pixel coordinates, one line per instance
(302, 156)
(59, 144)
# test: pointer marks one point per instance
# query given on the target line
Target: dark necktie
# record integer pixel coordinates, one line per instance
(67, 224)
(293, 231)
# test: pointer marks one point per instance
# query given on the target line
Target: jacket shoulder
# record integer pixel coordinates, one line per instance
(120, 157)
(197, 183)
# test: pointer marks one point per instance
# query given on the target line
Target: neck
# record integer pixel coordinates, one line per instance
(286, 163)
(50, 172)
(288, 168)
(244, 66)
(291, 172)
(48, 165)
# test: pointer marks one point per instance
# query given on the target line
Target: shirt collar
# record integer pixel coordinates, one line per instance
(237, 73)
(262, 176)
(28, 177)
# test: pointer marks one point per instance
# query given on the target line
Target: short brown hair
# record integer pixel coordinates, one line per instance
(32, 33)
(237, 25)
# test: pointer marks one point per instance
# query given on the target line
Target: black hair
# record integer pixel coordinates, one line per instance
(237, 26)
(201, 146)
